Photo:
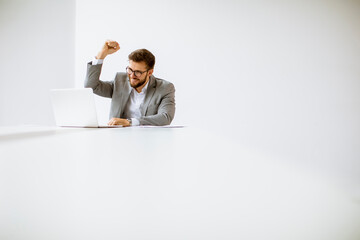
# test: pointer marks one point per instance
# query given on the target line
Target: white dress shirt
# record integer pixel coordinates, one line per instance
(132, 108)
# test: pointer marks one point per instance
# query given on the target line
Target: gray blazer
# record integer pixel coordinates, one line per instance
(158, 107)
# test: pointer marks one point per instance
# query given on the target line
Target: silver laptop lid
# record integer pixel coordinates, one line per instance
(74, 107)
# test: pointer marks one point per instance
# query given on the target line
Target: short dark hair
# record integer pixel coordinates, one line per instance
(143, 55)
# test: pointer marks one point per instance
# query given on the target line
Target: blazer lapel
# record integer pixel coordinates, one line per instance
(149, 93)
(125, 95)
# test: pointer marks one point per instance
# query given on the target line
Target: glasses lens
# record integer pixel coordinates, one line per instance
(137, 73)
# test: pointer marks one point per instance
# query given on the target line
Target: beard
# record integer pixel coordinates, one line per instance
(140, 83)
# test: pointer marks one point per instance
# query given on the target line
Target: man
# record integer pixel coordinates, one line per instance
(137, 97)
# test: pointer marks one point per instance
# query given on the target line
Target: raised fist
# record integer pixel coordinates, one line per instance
(109, 47)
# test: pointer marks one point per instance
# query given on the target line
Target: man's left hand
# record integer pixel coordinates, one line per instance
(119, 121)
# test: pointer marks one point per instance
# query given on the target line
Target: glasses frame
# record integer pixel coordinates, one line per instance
(136, 72)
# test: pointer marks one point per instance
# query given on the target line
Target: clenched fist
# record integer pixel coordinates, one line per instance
(109, 47)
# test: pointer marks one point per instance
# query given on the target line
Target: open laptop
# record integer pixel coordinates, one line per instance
(75, 108)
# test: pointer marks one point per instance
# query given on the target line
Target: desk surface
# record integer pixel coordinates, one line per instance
(156, 183)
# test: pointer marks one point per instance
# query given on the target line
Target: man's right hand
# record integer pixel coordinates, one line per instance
(109, 48)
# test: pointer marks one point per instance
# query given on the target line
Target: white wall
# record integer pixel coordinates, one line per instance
(37, 46)
(281, 77)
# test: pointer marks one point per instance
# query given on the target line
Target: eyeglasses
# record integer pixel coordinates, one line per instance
(136, 72)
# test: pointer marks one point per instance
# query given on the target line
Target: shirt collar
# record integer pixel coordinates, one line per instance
(146, 86)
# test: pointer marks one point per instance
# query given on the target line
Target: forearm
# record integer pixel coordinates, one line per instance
(157, 120)
(165, 114)
(104, 89)
(93, 81)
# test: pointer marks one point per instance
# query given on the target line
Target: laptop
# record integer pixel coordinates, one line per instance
(75, 108)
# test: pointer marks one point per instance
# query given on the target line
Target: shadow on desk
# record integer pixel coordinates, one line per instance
(26, 133)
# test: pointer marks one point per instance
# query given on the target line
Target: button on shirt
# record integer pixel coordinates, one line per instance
(132, 109)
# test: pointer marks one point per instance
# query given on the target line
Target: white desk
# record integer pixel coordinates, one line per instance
(138, 183)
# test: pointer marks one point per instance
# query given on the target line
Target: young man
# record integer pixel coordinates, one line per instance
(137, 97)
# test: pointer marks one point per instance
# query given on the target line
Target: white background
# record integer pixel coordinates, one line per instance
(37, 44)
(281, 77)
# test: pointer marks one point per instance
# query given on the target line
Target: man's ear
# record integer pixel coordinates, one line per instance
(150, 72)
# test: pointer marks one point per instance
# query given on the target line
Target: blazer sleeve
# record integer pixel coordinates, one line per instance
(166, 110)
(92, 80)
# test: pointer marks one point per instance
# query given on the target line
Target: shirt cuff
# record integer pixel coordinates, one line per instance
(97, 61)
(135, 122)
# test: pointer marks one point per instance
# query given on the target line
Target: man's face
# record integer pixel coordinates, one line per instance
(138, 81)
